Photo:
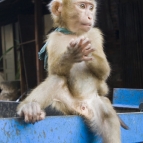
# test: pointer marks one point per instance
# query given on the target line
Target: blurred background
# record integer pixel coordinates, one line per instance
(24, 25)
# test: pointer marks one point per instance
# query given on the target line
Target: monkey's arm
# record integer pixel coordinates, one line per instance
(60, 64)
(53, 89)
(32, 107)
(99, 64)
(64, 55)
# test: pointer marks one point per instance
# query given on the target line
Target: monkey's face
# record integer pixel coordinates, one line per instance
(76, 15)
(81, 16)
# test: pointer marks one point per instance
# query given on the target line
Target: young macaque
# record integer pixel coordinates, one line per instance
(78, 70)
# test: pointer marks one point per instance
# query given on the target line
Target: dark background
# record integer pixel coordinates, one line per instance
(121, 22)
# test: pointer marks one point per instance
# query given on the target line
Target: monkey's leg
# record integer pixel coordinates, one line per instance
(98, 112)
(68, 104)
(31, 109)
(111, 125)
(111, 129)
(105, 121)
(41, 97)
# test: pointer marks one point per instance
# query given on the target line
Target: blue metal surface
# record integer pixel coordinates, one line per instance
(65, 129)
(135, 123)
(128, 98)
(61, 129)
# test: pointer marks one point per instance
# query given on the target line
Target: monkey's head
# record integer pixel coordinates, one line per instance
(77, 16)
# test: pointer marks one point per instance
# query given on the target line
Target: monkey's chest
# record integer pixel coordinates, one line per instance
(81, 81)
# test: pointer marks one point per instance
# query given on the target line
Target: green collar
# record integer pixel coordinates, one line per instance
(43, 55)
(63, 30)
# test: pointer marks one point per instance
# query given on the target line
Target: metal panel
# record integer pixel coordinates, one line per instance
(130, 98)
(8, 109)
(135, 132)
(70, 129)
(65, 129)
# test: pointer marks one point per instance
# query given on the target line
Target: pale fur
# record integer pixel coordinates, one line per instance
(77, 88)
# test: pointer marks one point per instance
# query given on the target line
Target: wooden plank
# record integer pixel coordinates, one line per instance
(39, 39)
(28, 52)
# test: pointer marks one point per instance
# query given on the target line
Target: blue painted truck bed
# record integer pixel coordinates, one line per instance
(72, 129)
(127, 98)
(65, 129)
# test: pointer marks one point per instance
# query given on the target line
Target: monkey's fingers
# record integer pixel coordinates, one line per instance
(72, 47)
(86, 58)
(22, 111)
(28, 115)
(78, 44)
(72, 43)
(26, 118)
(80, 40)
(42, 115)
(74, 51)
(19, 112)
(87, 51)
(23, 114)
(85, 43)
(36, 110)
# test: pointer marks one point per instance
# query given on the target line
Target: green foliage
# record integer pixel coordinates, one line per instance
(6, 52)
(9, 49)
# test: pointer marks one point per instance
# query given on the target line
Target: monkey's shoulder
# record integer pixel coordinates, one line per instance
(58, 41)
(95, 33)
(96, 37)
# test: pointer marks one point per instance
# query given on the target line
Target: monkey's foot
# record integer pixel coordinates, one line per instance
(83, 109)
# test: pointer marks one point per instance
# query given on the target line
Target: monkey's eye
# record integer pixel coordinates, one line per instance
(82, 5)
(91, 7)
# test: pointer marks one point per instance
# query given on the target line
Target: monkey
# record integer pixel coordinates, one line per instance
(77, 71)
(9, 91)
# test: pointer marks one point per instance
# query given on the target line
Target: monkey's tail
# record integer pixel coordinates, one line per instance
(123, 125)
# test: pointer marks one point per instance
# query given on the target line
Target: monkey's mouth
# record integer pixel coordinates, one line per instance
(86, 24)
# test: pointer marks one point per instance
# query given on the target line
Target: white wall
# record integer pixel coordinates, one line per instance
(8, 60)
(48, 23)
(7, 42)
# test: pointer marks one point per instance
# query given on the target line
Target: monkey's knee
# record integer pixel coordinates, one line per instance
(106, 106)
(103, 89)
(59, 81)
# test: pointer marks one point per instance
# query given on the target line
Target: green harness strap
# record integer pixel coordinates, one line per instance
(43, 55)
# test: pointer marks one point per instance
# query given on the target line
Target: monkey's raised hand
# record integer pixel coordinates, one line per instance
(31, 112)
(79, 49)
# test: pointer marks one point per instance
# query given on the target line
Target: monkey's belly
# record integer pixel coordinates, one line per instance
(81, 81)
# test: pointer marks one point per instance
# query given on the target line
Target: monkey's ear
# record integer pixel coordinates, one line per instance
(55, 7)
